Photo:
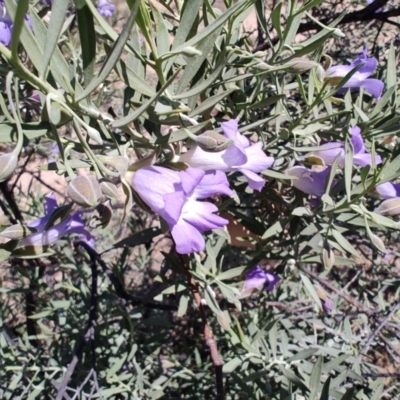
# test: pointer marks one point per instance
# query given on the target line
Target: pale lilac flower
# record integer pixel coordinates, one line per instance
(309, 181)
(327, 305)
(71, 224)
(240, 156)
(256, 278)
(388, 190)
(361, 77)
(333, 149)
(174, 196)
(105, 8)
(6, 24)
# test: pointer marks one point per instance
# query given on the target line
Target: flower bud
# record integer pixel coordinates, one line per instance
(119, 163)
(191, 51)
(94, 134)
(17, 232)
(84, 190)
(8, 164)
(213, 142)
(328, 257)
(110, 191)
(389, 207)
(299, 65)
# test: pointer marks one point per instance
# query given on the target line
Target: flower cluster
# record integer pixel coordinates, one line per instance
(174, 195)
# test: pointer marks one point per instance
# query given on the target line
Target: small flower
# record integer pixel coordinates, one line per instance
(309, 181)
(388, 190)
(257, 279)
(360, 78)
(240, 156)
(174, 196)
(391, 193)
(327, 305)
(105, 8)
(6, 24)
(46, 237)
(331, 150)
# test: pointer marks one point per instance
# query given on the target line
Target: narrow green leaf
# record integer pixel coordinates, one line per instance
(194, 63)
(133, 116)
(292, 377)
(276, 19)
(325, 389)
(113, 57)
(162, 34)
(87, 37)
(57, 18)
(315, 377)
(211, 102)
(310, 289)
(344, 243)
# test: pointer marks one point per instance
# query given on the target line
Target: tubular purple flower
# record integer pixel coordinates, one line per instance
(173, 196)
(388, 190)
(105, 8)
(332, 149)
(6, 24)
(257, 278)
(360, 78)
(309, 181)
(240, 156)
(71, 224)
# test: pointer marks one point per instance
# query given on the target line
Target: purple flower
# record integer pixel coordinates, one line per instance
(173, 195)
(327, 305)
(309, 181)
(388, 190)
(105, 8)
(257, 279)
(332, 149)
(71, 224)
(240, 156)
(6, 24)
(360, 78)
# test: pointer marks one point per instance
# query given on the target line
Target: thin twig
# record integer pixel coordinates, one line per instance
(89, 334)
(370, 312)
(383, 322)
(211, 343)
(366, 14)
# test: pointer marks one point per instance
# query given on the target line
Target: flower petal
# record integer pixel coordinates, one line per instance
(373, 86)
(190, 178)
(255, 181)
(231, 131)
(357, 140)
(201, 215)
(330, 151)
(309, 181)
(212, 184)
(187, 238)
